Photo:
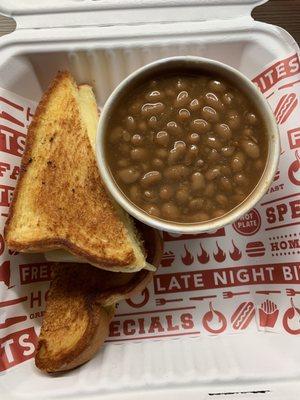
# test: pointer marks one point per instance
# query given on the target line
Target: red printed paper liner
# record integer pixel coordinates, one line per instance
(24, 279)
(243, 277)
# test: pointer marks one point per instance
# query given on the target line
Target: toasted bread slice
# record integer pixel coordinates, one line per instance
(80, 306)
(60, 201)
(89, 114)
(74, 326)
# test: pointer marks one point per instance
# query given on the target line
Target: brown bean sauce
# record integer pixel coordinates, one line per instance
(186, 148)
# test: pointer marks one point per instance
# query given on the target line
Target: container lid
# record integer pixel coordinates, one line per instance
(67, 13)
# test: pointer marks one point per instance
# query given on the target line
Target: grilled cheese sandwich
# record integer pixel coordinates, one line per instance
(60, 201)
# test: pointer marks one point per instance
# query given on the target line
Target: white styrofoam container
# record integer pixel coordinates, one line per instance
(101, 42)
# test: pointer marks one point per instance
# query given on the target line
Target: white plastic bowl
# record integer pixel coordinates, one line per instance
(195, 64)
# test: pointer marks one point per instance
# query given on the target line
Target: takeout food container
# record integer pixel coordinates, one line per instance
(197, 65)
(101, 42)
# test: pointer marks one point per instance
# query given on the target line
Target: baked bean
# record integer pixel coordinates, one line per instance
(222, 200)
(199, 163)
(209, 114)
(241, 179)
(184, 183)
(228, 151)
(130, 123)
(135, 194)
(238, 161)
(181, 84)
(124, 148)
(186, 148)
(228, 99)
(225, 170)
(115, 135)
(213, 101)
(253, 138)
(213, 156)
(225, 184)
(209, 190)
(170, 211)
(166, 192)
(183, 115)
(218, 213)
(198, 181)
(174, 129)
(208, 205)
(216, 86)
(152, 210)
(126, 136)
(129, 175)
(162, 138)
(152, 109)
(138, 154)
(247, 133)
(239, 190)
(200, 125)
(182, 196)
(191, 154)
(193, 138)
(196, 204)
(136, 140)
(150, 195)
(123, 162)
(153, 84)
(195, 105)
(213, 142)
(142, 126)
(240, 99)
(182, 99)
(135, 108)
(259, 165)
(161, 153)
(233, 119)
(199, 216)
(251, 119)
(223, 131)
(177, 153)
(153, 122)
(170, 92)
(213, 173)
(154, 96)
(176, 172)
(151, 178)
(250, 148)
(157, 163)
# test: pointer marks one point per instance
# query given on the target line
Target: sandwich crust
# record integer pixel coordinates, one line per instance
(80, 305)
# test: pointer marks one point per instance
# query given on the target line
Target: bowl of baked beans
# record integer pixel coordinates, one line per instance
(187, 144)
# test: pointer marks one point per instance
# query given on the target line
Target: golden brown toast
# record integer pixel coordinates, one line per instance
(80, 306)
(60, 201)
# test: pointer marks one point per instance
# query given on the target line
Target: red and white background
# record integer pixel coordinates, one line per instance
(244, 277)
